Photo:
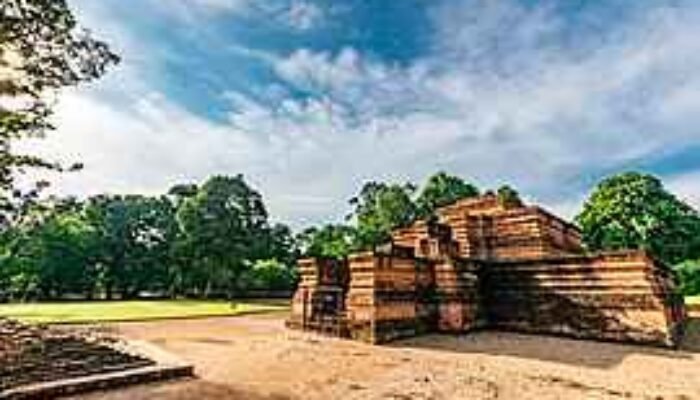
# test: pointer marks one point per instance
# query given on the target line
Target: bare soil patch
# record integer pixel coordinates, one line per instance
(255, 357)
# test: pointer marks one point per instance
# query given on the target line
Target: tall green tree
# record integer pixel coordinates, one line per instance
(634, 210)
(19, 272)
(64, 251)
(222, 224)
(41, 51)
(49, 255)
(135, 235)
(380, 208)
(442, 189)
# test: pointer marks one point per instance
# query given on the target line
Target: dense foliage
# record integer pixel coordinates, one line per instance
(442, 189)
(223, 226)
(380, 208)
(133, 235)
(689, 276)
(216, 241)
(331, 241)
(633, 210)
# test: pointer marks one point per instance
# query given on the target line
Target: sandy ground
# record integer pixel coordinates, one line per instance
(254, 358)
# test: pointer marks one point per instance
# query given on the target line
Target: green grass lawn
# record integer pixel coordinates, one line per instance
(82, 312)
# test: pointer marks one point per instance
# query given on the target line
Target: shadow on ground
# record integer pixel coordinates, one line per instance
(691, 342)
(584, 353)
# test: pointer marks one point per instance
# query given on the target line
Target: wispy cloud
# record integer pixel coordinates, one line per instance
(540, 115)
(300, 15)
(506, 93)
(194, 11)
(303, 15)
(687, 187)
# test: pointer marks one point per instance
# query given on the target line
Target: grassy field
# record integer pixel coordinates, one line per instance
(82, 312)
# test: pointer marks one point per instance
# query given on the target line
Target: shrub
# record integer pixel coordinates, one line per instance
(689, 275)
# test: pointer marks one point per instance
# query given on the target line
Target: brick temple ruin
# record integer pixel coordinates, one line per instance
(485, 264)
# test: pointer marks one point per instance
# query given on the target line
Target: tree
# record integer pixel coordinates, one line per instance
(181, 192)
(440, 190)
(41, 51)
(222, 224)
(268, 275)
(278, 243)
(50, 254)
(19, 273)
(381, 208)
(509, 197)
(64, 248)
(331, 241)
(634, 210)
(688, 273)
(135, 234)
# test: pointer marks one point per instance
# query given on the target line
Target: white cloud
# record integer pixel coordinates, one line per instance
(534, 114)
(151, 144)
(324, 73)
(303, 15)
(299, 15)
(227, 5)
(687, 188)
(194, 10)
(140, 147)
(493, 104)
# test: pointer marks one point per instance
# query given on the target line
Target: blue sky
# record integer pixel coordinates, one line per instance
(310, 98)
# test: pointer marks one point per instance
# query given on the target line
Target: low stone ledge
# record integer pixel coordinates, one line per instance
(167, 367)
(98, 382)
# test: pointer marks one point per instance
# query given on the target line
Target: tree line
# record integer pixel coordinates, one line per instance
(216, 239)
(213, 239)
(199, 241)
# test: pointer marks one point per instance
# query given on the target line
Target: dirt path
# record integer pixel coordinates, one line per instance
(256, 358)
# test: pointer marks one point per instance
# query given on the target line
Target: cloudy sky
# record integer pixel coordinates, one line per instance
(310, 98)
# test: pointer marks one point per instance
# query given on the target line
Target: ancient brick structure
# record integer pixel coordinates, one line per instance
(483, 264)
(43, 362)
(35, 354)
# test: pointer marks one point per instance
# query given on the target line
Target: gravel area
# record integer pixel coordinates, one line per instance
(254, 357)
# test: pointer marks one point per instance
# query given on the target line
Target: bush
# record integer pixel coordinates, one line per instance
(689, 275)
(268, 275)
